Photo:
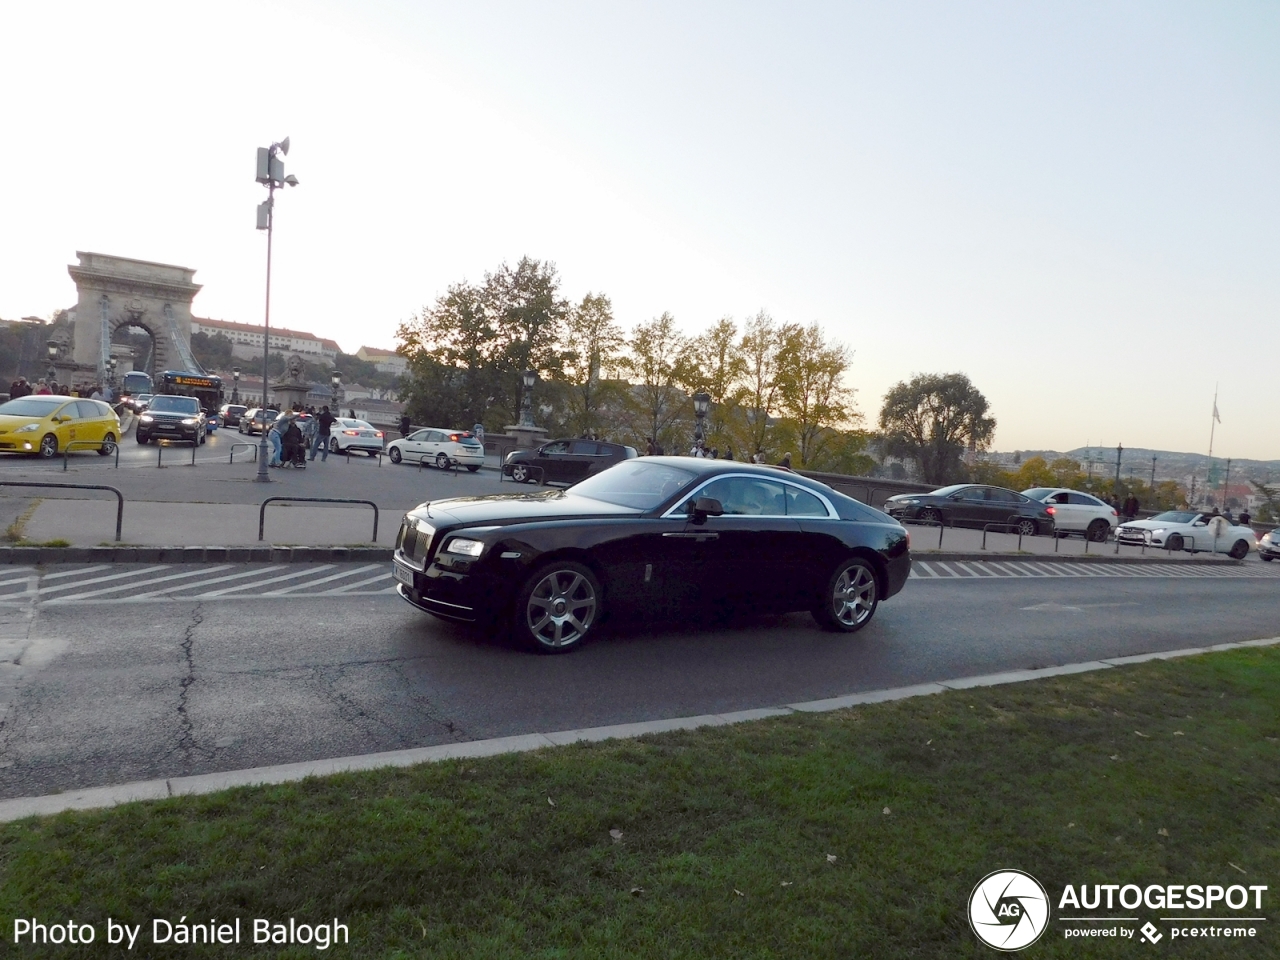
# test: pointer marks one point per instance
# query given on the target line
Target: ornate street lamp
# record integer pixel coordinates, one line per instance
(54, 348)
(235, 385)
(701, 406)
(530, 377)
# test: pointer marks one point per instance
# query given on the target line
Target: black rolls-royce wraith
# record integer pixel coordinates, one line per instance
(661, 537)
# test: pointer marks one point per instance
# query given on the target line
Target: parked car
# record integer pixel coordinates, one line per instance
(46, 424)
(348, 434)
(440, 446)
(172, 417)
(231, 413)
(1269, 545)
(974, 505)
(667, 537)
(256, 420)
(564, 461)
(1190, 531)
(1077, 512)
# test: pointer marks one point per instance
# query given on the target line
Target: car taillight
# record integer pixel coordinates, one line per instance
(378, 434)
(454, 437)
(1114, 514)
(1051, 510)
(351, 433)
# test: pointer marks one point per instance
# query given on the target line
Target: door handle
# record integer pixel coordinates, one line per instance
(698, 537)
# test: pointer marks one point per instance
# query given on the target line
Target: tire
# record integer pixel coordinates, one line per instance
(1174, 542)
(1027, 527)
(557, 608)
(141, 439)
(108, 445)
(1265, 558)
(395, 455)
(1098, 531)
(203, 438)
(333, 445)
(520, 473)
(850, 599)
(48, 446)
(1239, 550)
(929, 515)
(472, 468)
(442, 461)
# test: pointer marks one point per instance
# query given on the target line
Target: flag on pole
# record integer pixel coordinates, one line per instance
(1215, 411)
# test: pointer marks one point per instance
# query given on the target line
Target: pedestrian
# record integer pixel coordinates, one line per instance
(276, 437)
(321, 440)
(96, 394)
(405, 425)
(1131, 506)
(728, 453)
(42, 388)
(715, 453)
(351, 413)
(652, 448)
(785, 461)
(310, 430)
(477, 430)
(1245, 519)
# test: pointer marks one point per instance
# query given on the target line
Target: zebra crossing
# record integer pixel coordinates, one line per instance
(931, 569)
(159, 583)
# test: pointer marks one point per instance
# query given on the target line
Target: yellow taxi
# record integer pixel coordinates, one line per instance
(45, 424)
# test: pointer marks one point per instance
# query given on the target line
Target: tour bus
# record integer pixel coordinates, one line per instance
(134, 383)
(205, 387)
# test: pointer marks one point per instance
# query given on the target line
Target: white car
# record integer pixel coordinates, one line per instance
(347, 434)
(1269, 544)
(1076, 512)
(1188, 530)
(439, 446)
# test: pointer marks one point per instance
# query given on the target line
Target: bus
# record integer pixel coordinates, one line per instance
(205, 387)
(134, 383)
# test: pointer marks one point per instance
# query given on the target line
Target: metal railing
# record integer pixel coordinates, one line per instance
(76, 486)
(92, 445)
(364, 450)
(161, 443)
(243, 443)
(1015, 524)
(941, 525)
(262, 511)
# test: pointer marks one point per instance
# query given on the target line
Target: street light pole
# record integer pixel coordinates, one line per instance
(701, 404)
(1153, 474)
(1119, 451)
(271, 175)
(235, 389)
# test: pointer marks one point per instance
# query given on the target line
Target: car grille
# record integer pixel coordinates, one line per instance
(414, 541)
(1135, 533)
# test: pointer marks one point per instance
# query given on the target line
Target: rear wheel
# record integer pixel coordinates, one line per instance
(557, 607)
(851, 597)
(394, 454)
(1239, 550)
(333, 445)
(1098, 531)
(108, 445)
(1026, 527)
(49, 446)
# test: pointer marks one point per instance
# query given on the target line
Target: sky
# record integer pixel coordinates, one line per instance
(1075, 204)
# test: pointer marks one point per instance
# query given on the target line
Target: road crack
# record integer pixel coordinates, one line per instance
(186, 738)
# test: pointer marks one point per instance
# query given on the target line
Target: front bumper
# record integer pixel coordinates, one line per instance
(169, 430)
(446, 593)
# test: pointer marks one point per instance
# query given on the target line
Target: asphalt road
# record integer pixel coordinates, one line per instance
(180, 683)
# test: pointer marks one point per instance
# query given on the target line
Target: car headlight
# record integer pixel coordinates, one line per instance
(146, 418)
(464, 547)
(29, 428)
(1156, 533)
(189, 421)
(910, 500)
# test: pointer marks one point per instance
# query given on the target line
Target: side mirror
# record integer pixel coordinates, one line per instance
(705, 507)
(955, 496)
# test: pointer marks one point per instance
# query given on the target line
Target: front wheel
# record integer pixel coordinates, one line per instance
(49, 446)
(333, 445)
(557, 607)
(520, 473)
(473, 468)
(1239, 550)
(108, 445)
(395, 455)
(442, 461)
(141, 439)
(1174, 542)
(851, 598)
(1027, 527)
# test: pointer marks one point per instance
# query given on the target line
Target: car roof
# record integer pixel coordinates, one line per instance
(704, 466)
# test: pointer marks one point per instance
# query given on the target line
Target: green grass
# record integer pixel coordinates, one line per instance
(1071, 779)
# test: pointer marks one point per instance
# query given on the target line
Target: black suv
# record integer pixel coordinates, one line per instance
(564, 461)
(172, 418)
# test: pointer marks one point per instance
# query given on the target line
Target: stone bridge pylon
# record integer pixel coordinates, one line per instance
(116, 292)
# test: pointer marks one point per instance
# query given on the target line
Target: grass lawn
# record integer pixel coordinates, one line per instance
(858, 833)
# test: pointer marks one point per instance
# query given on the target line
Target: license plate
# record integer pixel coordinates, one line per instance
(402, 574)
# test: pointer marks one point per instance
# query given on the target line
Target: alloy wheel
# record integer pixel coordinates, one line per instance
(561, 607)
(520, 473)
(1027, 528)
(49, 446)
(394, 454)
(853, 598)
(442, 461)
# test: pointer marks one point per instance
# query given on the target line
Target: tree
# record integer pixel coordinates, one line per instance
(809, 377)
(657, 362)
(1034, 472)
(932, 419)
(528, 314)
(592, 355)
(212, 352)
(715, 366)
(758, 393)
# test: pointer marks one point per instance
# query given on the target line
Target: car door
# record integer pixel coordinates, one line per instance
(552, 459)
(414, 445)
(68, 424)
(581, 459)
(1005, 506)
(970, 507)
(92, 422)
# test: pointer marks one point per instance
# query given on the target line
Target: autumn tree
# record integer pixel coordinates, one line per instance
(810, 389)
(715, 366)
(932, 418)
(592, 356)
(757, 396)
(657, 362)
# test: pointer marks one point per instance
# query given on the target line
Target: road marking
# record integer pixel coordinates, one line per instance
(76, 573)
(283, 591)
(261, 583)
(114, 576)
(130, 586)
(362, 583)
(232, 576)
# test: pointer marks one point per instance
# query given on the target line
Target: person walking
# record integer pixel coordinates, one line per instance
(310, 430)
(321, 441)
(405, 425)
(42, 388)
(275, 437)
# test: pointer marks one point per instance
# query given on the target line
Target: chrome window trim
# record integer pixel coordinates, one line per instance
(832, 514)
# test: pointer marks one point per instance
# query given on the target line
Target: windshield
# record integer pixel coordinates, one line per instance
(1174, 516)
(174, 405)
(634, 483)
(30, 407)
(1038, 493)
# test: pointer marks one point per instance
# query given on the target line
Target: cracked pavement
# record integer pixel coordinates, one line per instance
(93, 695)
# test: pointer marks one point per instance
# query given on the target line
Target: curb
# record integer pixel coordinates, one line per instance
(271, 553)
(99, 797)
(936, 555)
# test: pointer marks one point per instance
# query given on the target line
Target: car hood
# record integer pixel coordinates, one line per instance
(517, 508)
(8, 423)
(170, 415)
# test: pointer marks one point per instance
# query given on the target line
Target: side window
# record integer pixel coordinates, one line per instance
(434, 436)
(556, 449)
(1083, 500)
(584, 448)
(974, 493)
(1064, 498)
(746, 497)
(802, 504)
(1002, 496)
(421, 436)
(88, 410)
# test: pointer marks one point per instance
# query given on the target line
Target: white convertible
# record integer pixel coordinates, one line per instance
(1187, 530)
